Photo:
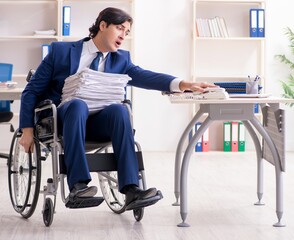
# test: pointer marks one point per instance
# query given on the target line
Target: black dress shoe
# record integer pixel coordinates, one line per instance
(134, 193)
(82, 190)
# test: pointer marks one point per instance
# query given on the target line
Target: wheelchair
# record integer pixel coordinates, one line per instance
(24, 171)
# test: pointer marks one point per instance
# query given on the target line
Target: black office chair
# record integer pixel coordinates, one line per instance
(5, 114)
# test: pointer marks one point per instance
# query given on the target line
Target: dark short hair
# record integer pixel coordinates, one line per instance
(110, 16)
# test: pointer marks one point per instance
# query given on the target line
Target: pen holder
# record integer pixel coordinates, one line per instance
(252, 87)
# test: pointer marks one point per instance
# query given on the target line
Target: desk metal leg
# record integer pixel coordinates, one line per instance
(259, 162)
(278, 170)
(178, 159)
(184, 171)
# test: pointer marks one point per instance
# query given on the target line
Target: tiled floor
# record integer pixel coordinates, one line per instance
(222, 190)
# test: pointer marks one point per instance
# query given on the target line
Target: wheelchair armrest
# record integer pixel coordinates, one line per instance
(128, 105)
(46, 121)
(44, 103)
(127, 101)
(30, 74)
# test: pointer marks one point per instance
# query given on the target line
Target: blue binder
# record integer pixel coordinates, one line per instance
(260, 23)
(253, 22)
(66, 21)
(198, 147)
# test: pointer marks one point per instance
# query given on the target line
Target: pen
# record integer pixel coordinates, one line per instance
(256, 78)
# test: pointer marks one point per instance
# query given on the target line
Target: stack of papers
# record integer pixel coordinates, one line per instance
(96, 89)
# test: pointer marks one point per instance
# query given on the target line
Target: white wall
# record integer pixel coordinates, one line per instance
(163, 43)
(279, 15)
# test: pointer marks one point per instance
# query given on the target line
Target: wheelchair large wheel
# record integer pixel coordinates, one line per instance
(24, 177)
(109, 187)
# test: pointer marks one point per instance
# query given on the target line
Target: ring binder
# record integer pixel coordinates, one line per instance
(66, 21)
(253, 22)
(260, 24)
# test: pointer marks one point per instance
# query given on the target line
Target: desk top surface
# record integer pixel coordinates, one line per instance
(232, 100)
(10, 93)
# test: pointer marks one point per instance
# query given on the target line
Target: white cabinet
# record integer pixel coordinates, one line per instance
(230, 59)
(20, 18)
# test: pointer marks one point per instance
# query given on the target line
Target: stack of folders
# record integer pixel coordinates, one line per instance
(257, 23)
(211, 27)
(234, 136)
(96, 89)
(202, 144)
(233, 87)
(237, 88)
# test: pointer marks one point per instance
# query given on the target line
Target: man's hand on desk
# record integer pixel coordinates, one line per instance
(195, 86)
(27, 139)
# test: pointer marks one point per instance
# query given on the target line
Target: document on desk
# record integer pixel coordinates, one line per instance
(209, 93)
(259, 95)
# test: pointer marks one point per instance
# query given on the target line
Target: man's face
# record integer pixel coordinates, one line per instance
(112, 37)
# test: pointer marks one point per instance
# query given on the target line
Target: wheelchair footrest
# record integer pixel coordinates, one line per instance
(84, 202)
(145, 202)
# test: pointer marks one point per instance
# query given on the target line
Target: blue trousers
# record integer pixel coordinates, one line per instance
(110, 124)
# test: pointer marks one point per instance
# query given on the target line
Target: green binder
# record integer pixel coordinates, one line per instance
(227, 136)
(241, 137)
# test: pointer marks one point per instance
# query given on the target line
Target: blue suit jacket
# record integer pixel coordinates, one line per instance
(63, 61)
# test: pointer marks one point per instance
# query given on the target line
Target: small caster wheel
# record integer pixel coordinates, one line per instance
(48, 212)
(138, 214)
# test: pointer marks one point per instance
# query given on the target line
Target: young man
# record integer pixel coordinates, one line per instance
(110, 124)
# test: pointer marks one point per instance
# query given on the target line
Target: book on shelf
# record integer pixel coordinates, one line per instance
(211, 27)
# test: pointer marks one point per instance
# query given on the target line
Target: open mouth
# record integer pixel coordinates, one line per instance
(118, 43)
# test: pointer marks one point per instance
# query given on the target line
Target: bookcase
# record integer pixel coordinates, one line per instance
(19, 19)
(227, 59)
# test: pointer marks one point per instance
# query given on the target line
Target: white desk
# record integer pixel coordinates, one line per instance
(227, 110)
(10, 93)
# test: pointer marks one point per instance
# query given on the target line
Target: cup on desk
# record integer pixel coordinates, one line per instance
(252, 87)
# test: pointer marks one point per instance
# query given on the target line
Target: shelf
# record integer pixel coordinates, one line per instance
(223, 78)
(26, 2)
(76, 38)
(232, 1)
(229, 39)
(28, 37)
(102, 1)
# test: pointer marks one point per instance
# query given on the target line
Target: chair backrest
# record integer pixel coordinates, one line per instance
(5, 75)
